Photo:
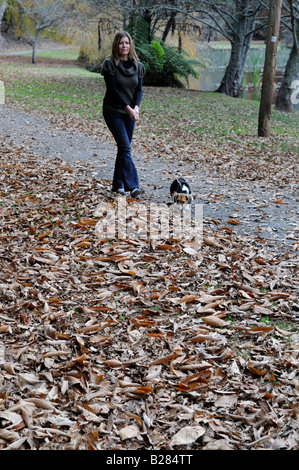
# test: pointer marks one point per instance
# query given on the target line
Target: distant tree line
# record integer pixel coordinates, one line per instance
(151, 24)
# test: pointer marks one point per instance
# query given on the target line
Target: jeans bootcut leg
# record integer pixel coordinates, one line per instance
(125, 173)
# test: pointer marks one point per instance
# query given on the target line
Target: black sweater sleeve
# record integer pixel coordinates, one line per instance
(138, 92)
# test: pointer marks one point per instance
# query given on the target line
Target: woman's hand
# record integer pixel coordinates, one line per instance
(136, 109)
(133, 113)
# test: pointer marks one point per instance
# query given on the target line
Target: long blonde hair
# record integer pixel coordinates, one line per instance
(115, 47)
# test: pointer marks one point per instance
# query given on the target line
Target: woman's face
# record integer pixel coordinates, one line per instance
(124, 47)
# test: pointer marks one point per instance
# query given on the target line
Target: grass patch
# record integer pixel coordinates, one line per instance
(61, 97)
(64, 54)
(57, 84)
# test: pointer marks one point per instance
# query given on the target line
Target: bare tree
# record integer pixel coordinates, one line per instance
(45, 15)
(236, 20)
(157, 17)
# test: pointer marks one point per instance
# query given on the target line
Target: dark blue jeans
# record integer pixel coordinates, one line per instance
(125, 173)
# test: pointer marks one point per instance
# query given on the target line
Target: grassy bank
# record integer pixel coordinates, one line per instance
(182, 118)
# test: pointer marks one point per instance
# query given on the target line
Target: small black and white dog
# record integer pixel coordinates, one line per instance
(180, 191)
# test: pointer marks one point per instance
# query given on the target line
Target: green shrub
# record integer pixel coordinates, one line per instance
(166, 65)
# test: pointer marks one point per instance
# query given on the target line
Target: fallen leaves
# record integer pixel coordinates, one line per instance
(130, 344)
(114, 344)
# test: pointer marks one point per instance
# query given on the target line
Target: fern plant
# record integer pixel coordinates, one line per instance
(165, 65)
(139, 31)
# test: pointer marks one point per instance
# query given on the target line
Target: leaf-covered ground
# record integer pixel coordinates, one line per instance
(246, 183)
(141, 343)
(136, 344)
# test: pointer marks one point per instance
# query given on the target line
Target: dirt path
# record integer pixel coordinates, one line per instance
(250, 206)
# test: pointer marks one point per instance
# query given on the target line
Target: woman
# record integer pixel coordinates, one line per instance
(123, 75)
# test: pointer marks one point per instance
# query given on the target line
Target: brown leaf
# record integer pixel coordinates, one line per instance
(256, 371)
(215, 321)
(187, 435)
(144, 390)
(233, 222)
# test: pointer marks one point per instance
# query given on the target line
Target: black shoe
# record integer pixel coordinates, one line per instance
(120, 191)
(136, 192)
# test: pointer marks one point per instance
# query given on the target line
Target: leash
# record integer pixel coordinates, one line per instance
(160, 155)
(176, 177)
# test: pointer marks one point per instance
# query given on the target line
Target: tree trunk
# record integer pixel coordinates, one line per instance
(146, 16)
(3, 6)
(37, 32)
(170, 26)
(99, 35)
(264, 121)
(240, 44)
(231, 82)
(283, 102)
